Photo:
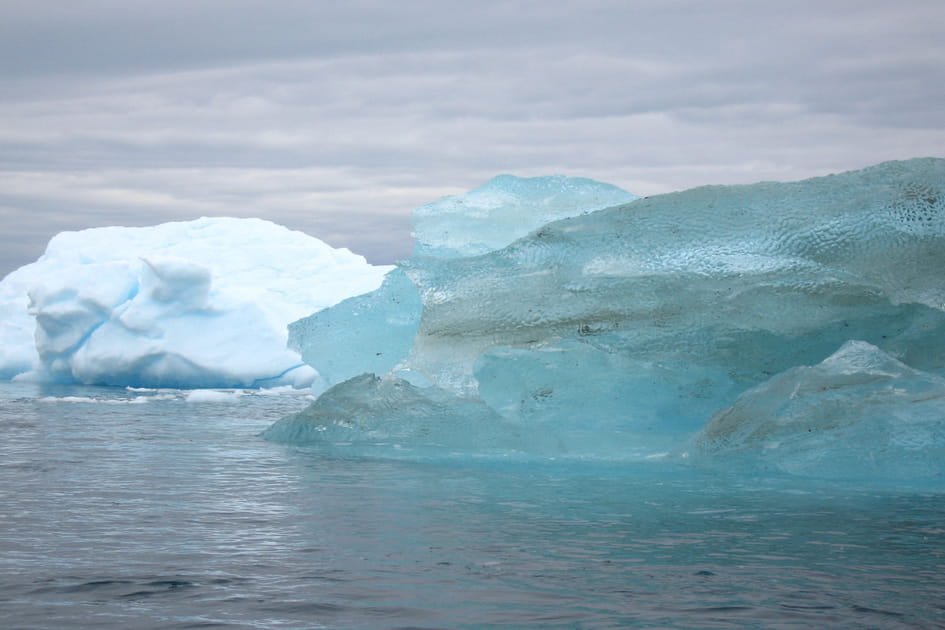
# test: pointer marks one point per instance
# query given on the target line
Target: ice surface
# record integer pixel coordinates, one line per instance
(719, 275)
(858, 414)
(371, 415)
(620, 331)
(213, 396)
(374, 332)
(17, 349)
(366, 333)
(193, 304)
(504, 209)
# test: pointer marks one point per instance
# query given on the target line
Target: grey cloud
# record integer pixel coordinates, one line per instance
(339, 119)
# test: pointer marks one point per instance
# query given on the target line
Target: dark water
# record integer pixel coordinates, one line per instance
(143, 510)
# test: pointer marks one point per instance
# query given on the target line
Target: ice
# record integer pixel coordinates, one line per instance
(504, 209)
(17, 349)
(751, 279)
(374, 332)
(618, 332)
(213, 396)
(366, 333)
(194, 304)
(858, 414)
(371, 415)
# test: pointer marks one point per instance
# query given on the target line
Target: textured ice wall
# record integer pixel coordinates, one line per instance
(619, 332)
(718, 275)
(186, 304)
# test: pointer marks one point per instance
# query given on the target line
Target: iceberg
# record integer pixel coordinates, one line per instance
(193, 304)
(619, 330)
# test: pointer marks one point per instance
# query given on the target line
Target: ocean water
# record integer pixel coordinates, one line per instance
(163, 509)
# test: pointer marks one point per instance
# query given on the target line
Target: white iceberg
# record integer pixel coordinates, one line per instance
(193, 304)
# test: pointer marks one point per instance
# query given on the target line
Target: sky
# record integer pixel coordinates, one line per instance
(340, 118)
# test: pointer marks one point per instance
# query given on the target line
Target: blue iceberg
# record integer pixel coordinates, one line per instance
(622, 326)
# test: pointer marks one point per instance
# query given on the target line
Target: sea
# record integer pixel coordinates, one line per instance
(125, 508)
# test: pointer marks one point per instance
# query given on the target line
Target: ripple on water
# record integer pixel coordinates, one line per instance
(168, 514)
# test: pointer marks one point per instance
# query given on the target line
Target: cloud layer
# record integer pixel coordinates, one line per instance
(339, 120)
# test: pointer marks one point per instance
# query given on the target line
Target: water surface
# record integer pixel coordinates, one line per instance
(139, 509)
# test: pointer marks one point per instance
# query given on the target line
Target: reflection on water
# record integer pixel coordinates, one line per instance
(163, 513)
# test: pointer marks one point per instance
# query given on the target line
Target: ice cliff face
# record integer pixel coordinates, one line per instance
(618, 332)
(189, 304)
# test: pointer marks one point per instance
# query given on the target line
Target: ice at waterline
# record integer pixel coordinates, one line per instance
(788, 327)
(192, 304)
(791, 327)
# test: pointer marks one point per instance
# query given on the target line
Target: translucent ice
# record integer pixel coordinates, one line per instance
(370, 415)
(366, 333)
(202, 303)
(374, 332)
(504, 209)
(620, 331)
(859, 413)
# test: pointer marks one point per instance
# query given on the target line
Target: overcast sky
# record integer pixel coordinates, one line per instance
(339, 118)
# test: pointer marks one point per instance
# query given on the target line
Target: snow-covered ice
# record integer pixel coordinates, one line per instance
(193, 304)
